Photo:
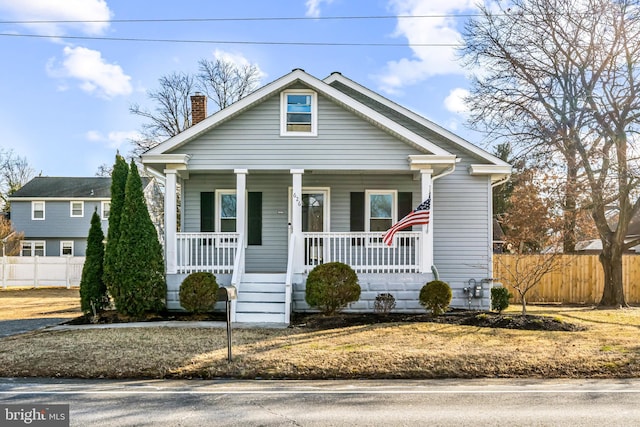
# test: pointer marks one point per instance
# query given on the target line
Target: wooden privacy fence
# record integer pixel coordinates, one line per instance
(578, 280)
(40, 271)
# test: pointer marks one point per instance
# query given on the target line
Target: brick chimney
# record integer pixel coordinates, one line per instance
(198, 108)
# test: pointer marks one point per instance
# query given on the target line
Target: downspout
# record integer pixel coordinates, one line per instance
(501, 181)
(449, 171)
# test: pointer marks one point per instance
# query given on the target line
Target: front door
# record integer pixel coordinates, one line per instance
(314, 220)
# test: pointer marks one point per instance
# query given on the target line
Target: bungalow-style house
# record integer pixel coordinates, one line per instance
(306, 171)
(55, 212)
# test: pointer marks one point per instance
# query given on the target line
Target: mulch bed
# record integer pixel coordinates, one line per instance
(482, 319)
(315, 321)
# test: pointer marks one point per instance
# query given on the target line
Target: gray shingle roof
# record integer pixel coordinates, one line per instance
(76, 187)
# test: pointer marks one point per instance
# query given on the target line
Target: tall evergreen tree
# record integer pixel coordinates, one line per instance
(139, 257)
(118, 183)
(93, 291)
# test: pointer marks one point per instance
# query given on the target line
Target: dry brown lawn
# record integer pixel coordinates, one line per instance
(37, 303)
(609, 347)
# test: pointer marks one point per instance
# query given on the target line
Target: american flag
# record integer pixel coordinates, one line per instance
(419, 215)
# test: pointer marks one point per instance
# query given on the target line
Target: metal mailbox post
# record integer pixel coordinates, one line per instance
(228, 294)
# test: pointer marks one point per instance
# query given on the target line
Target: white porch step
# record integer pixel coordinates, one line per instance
(260, 318)
(261, 299)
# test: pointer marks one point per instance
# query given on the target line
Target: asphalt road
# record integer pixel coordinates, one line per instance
(335, 403)
(19, 326)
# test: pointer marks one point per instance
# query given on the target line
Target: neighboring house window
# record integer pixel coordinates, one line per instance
(37, 211)
(299, 113)
(77, 209)
(226, 218)
(106, 210)
(32, 248)
(380, 209)
(66, 248)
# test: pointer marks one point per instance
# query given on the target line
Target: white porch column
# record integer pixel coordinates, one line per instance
(296, 220)
(170, 220)
(427, 230)
(241, 202)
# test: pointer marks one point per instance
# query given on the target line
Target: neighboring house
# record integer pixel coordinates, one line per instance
(306, 171)
(55, 213)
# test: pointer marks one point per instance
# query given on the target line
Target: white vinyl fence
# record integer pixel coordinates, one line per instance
(29, 272)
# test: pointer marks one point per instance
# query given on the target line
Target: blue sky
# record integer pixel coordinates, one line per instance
(65, 101)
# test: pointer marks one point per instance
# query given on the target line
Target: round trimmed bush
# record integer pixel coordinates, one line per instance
(500, 298)
(331, 286)
(436, 296)
(199, 292)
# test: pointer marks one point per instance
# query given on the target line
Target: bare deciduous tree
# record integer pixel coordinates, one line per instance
(563, 79)
(9, 238)
(524, 272)
(171, 113)
(225, 82)
(14, 173)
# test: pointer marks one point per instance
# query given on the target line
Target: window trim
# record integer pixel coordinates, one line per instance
(283, 112)
(81, 209)
(218, 208)
(102, 210)
(326, 209)
(33, 210)
(367, 206)
(377, 241)
(32, 245)
(62, 243)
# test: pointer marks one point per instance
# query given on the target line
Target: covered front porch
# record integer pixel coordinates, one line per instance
(309, 225)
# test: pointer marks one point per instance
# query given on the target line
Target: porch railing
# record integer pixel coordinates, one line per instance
(214, 252)
(364, 252)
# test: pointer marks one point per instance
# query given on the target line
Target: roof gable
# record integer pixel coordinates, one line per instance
(298, 76)
(407, 117)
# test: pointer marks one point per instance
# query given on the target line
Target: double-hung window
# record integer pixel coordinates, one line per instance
(380, 211)
(32, 248)
(37, 211)
(226, 211)
(66, 248)
(299, 113)
(77, 209)
(106, 210)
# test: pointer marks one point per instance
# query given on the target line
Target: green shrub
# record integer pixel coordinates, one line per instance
(93, 291)
(331, 286)
(500, 298)
(436, 296)
(384, 303)
(139, 262)
(199, 292)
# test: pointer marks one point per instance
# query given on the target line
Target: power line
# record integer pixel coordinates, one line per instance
(303, 18)
(245, 42)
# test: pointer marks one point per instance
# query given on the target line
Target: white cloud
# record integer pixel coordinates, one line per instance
(313, 7)
(455, 103)
(114, 139)
(238, 59)
(57, 10)
(427, 61)
(95, 75)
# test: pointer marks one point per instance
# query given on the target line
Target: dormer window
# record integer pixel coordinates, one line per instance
(299, 113)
